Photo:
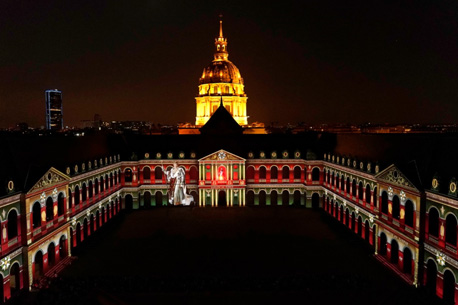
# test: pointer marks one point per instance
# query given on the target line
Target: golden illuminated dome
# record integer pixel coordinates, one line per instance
(221, 71)
(221, 81)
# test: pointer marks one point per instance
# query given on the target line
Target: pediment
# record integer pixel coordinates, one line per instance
(52, 177)
(393, 175)
(222, 155)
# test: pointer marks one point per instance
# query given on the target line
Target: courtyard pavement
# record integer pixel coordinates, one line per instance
(253, 255)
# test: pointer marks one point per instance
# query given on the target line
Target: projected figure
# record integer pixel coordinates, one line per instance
(177, 187)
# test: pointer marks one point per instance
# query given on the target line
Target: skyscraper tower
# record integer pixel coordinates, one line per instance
(54, 112)
(221, 80)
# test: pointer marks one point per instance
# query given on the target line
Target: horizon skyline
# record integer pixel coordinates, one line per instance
(317, 63)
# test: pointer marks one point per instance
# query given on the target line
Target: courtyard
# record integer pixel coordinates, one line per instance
(255, 255)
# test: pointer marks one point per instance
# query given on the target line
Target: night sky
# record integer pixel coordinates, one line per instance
(316, 62)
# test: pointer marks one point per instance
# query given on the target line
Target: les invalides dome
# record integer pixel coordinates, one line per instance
(221, 81)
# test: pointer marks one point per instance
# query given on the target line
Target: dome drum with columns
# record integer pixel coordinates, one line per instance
(221, 80)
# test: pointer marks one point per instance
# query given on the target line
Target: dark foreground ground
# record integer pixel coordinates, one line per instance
(226, 256)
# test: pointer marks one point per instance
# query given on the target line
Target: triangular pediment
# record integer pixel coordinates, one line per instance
(393, 175)
(52, 177)
(222, 155)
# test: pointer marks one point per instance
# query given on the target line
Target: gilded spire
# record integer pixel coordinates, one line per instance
(221, 43)
(221, 28)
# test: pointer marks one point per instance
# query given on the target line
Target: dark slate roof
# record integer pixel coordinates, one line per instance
(25, 159)
(418, 156)
(221, 123)
(203, 145)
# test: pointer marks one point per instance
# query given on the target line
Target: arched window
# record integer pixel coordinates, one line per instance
(49, 209)
(77, 195)
(62, 247)
(315, 200)
(70, 199)
(96, 186)
(51, 255)
(84, 192)
(262, 198)
(38, 271)
(102, 184)
(12, 224)
(15, 281)
(409, 212)
(147, 200)
(297, 172)
(360, 190)
(90, 189)
(353, 188)
(194, 175)
(250, 198)
(250, 172)
(106, 182)
(115, 178)
(111, 180)
(285, 173)
(383, 241)
(158, 173)
(394, 251)
(146, 173)
(385, 203)
(433, 225)
(396, 207)
(368, 193)
(347, 185)
(273, 172)
(273, 198)
(450, 229)
(407, 261)
(36, 211)
(262, 172)
(60, 204)
(431, 276)
(285, 198)
(342, 183)
(316, 174)
(375, 198)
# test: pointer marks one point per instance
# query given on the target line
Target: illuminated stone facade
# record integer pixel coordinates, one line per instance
(43, 224)
(221, 82)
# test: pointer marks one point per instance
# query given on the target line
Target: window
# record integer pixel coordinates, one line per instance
(385, 203)
(273, 172)
(146, 173)
(262, 172)
(316, 174)
(409, 212)
(36, 218)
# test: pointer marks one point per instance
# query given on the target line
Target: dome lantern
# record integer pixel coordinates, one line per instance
(221, 45)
